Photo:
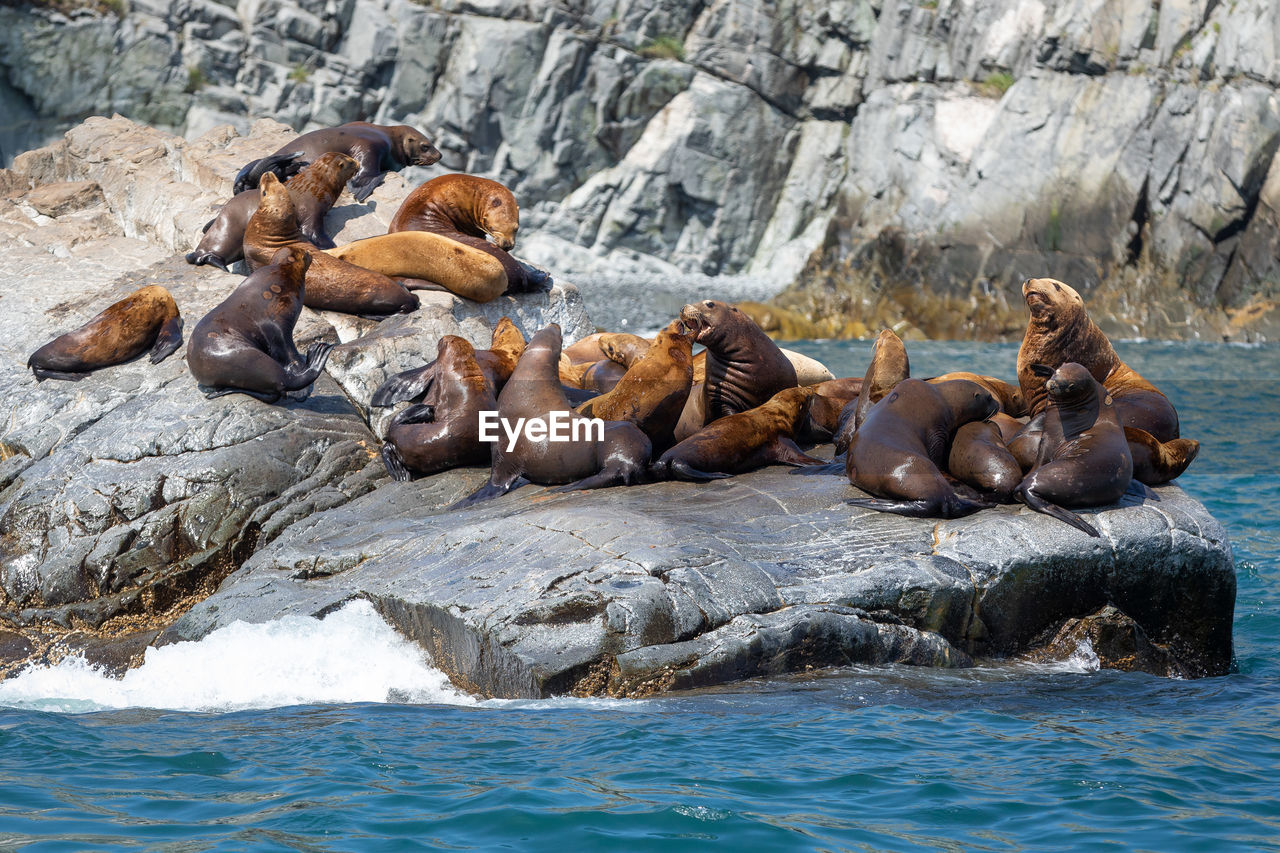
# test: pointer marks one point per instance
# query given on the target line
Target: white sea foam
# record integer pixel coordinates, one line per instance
(351, 655)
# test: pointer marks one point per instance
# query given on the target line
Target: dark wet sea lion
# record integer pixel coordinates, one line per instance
(1156, 462)
(245, 344)
(744, 367)
(443, 433)
(1059, 331)
(901, 447)
(146, 319)
(653, 391)
(743, 441)
(455, 266)
(313, 191)
(621, 456)
(466, 208)
(332, 284)
(980, 458)
(377, 148)
(497, 362)
(1084, 458)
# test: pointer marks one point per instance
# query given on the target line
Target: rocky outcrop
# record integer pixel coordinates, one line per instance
(127, 496)
(896, 162)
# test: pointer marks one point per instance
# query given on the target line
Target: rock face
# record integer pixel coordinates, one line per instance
(133, 511)
(907, 161)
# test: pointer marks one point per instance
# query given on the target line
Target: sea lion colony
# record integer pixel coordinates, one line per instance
(1079, 429)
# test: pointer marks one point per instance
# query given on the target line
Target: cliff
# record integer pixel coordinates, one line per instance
(897, 163)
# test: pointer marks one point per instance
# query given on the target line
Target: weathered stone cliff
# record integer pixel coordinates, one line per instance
(895, 162)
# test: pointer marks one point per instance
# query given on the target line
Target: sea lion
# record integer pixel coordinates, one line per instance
(245, 344)
(454, 266)
(744, 367)
(743, 441)
(980, 458)
(1084, 457)
(1059, 331)
(899, 450)
(313, 191)
(889, 365)
(496, 362)
(145, 319)
(376, 148)
(585, 350)
(829, 401)
(653, 391)
(445, 432)
(1009, 397)
(626, 349)
(465, 208)
(619, 455)
(1158, 462)
(332, 284)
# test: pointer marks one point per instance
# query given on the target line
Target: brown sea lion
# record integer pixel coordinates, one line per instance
(443, 433)
(145, 319)
(743, 441)
(627, 349)
(245, 344)
(899, 450)
(496, 362)
(829, 400)
(465, 208)
(332, 284)
(889, 365)
(1059, 331)
(653, 391)
(430, 257)
(980, 458)
(1158, 462)
(590, 459)
(313, 191)
(1009, 397)
(377, 148)
(744, 367)
(1084, 458)
(585, 350)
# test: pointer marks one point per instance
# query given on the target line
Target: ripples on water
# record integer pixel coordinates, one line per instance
(1003, 757)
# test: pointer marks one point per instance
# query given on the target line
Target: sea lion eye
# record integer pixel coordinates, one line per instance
(496, 202)
(1057, 287)
(709, 304)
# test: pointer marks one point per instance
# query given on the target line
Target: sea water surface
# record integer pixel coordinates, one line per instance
(338, 735)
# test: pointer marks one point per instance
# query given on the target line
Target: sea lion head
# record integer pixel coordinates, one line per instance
(548, 338)
(1051, 302)
(498, 214)
(413, 146)
(1070, 383)
(711, 320)
(273, 197)
(341, 167)
(968, 400)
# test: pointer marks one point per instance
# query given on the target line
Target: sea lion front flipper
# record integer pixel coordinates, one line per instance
(601, 479)
(784, 451)
(42, 374)
(405, 385)
(488, 491)
(416, 414)
(395, 463)
(213, 393)
(832, 467)
(1039, 504)
(168, 341)
(678, 469)
(199, 259)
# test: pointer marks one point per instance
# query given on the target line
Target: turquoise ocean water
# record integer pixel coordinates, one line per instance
(275, 738)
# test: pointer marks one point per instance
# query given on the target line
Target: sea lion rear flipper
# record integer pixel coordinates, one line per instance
(599, 480)
(1141, 490)
(168, 341)
(395, 463)
(535, 279)
(952, 506)
(1039, 504)
(678, 469)
(284, 165)
(783, 451)
(405, 385)
(417, 414)
(317, 237)
(363, 185)
(212, 393)
(199, 259)
(420, 284)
